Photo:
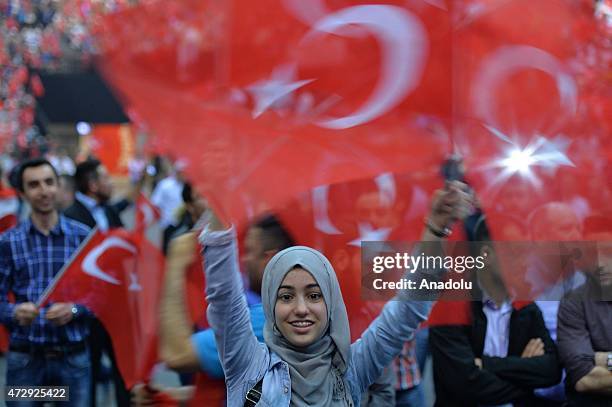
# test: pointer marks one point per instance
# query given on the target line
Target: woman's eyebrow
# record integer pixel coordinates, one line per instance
(290, 287)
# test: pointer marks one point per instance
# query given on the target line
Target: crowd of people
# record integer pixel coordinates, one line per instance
(286, 339)
(276, 329)
(37, 36)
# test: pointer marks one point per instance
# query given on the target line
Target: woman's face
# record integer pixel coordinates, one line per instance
(300, 311)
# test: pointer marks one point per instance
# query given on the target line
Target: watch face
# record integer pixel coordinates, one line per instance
(74, 310)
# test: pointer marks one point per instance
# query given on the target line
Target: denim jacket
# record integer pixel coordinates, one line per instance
(246, 361)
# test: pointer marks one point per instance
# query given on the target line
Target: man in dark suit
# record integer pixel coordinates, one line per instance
(500, 351)
(92, 198)
(92, 207)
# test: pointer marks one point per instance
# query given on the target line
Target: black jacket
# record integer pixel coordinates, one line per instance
(80, 213)
(459, 382)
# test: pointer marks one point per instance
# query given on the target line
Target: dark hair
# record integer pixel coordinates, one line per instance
(274, 235)
(35, 162)
(85, 172)
(187, 193)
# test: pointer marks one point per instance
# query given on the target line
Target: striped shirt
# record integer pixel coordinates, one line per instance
(29, 261)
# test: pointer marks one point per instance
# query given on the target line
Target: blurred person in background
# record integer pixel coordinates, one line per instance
(61, 161)
(66, 192)
(187, 215)
(94, 190)
(92, 207)
(167, 195)
(584, 324)
(556, 222)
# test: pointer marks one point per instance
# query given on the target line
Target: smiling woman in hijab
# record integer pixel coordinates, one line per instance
(307, 358)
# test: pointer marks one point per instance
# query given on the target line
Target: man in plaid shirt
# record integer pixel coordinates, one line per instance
(47, 345)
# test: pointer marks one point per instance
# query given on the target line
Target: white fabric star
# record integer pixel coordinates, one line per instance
(271, 91)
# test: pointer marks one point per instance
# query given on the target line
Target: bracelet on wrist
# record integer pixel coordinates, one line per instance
(442, 233)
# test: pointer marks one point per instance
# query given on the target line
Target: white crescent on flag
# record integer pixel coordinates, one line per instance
(404, 49)
(508, 60)
(90, 263)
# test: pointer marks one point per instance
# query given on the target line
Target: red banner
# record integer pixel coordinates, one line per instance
(252, 95)
(112, 144)
(120, 282)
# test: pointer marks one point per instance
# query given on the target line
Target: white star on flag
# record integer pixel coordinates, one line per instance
(368, 234)
(270, 91)
(539, 152)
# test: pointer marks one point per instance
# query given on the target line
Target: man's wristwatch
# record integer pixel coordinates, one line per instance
(610, 361)
(74, 310)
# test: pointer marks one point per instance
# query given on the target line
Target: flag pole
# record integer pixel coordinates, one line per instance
(45, 294)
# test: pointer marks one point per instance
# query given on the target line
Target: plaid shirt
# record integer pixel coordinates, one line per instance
(406, 368)
(29, 261)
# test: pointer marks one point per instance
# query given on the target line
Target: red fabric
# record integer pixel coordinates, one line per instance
(114, 146)
(7, 222)
(208, 391)
(289, 141)
(4, 339)
(4, 333)
(497, 76)
(540, 89)
(8, 208)
(126, 302)
(147, 214)
(195, 284)
(37, 87)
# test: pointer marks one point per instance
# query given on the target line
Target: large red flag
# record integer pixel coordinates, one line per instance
(532, 120)
(299, 93)
(532, 111)
(119, 281)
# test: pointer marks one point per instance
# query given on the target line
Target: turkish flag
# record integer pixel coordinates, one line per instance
(247, 92)
(147, 215)
(532, 120)
(8, 209)
(119, 281)
(114, 146)
(532, 111)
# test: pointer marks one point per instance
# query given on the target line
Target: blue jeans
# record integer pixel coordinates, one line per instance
(422, 347)
(73, 370)
(414, 397)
